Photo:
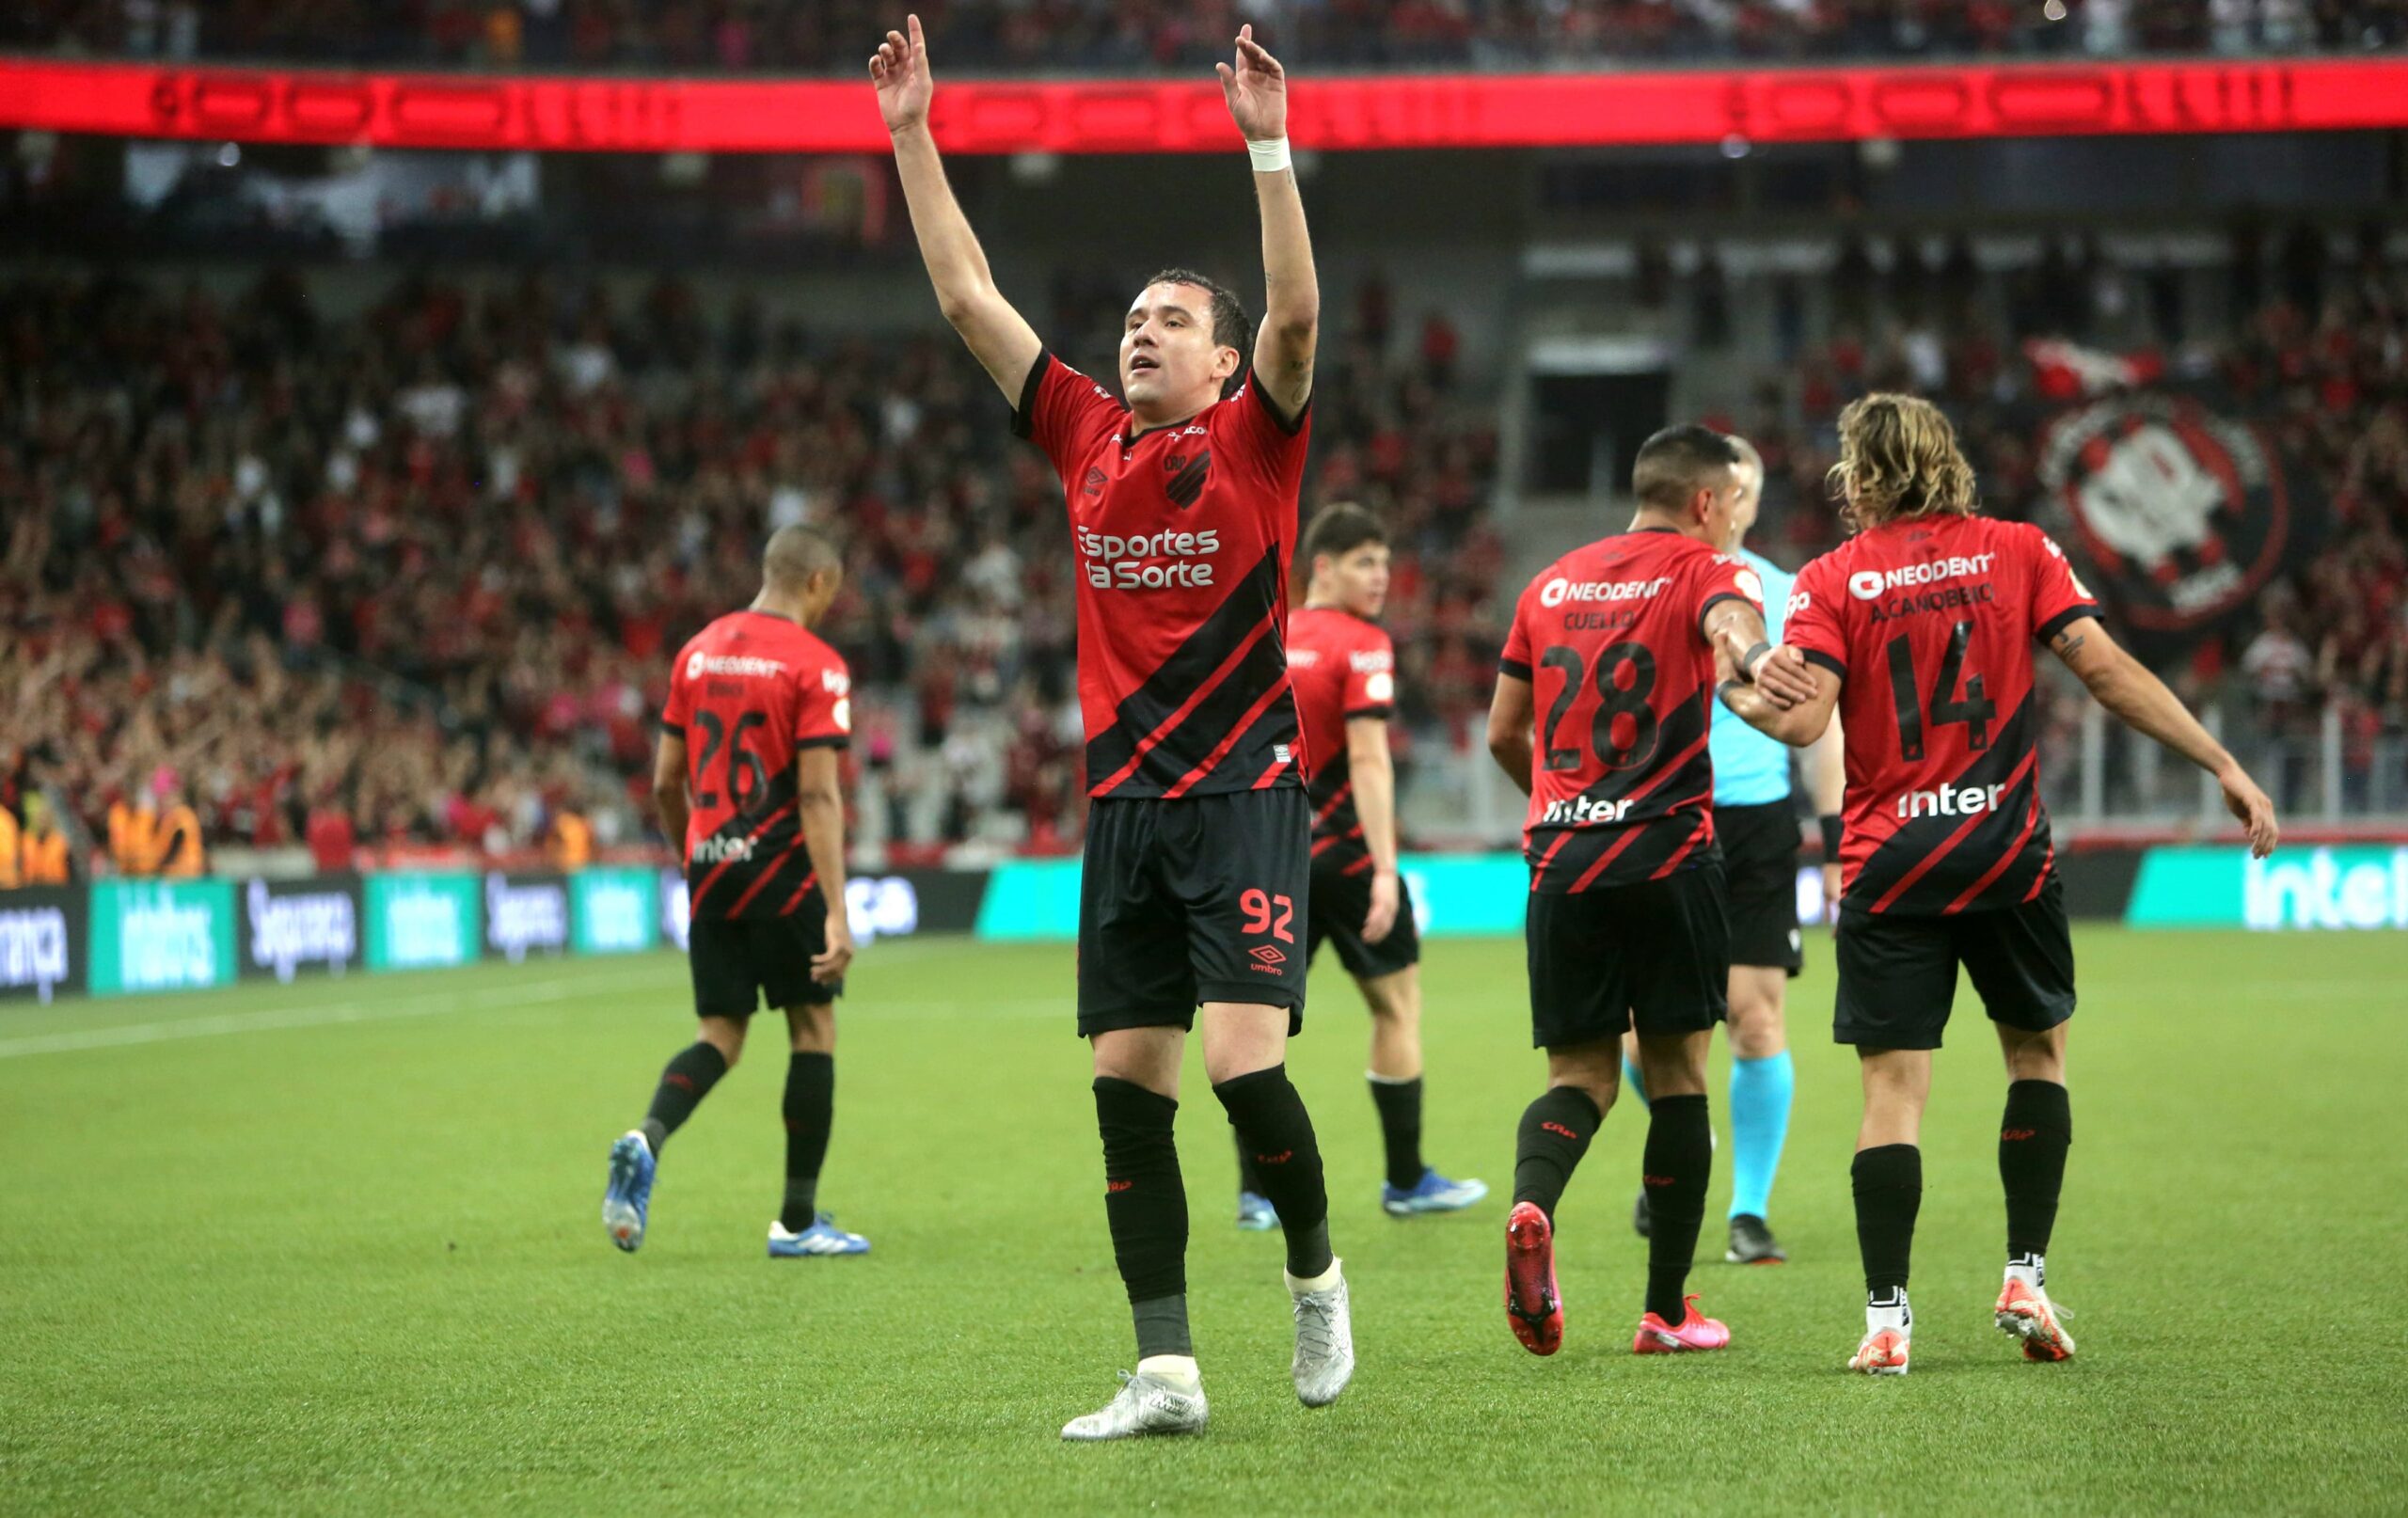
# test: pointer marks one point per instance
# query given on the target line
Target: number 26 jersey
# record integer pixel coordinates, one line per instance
(1929, 622)
(1612, 639)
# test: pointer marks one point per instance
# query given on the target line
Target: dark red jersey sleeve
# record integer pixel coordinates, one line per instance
(1811, 622)
(1062, 411)
(1726, 576)
(1371, 677)
(2058, 594)
(823, 713)
(679, 708)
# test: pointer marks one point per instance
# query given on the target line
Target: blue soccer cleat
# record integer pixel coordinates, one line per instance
(628, 1197)
(1432, 1193)
(1255, 1212)
(822, 1238)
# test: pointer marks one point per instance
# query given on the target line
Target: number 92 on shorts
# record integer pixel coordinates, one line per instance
(1201, 898)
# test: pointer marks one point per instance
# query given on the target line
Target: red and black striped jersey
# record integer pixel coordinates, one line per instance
(1343, 668)
(1612, 639)
(1183, 535)
(1929, 625)
(749, 693)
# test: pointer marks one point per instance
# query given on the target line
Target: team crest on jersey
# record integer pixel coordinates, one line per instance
(1187, 472)
(2185, 514)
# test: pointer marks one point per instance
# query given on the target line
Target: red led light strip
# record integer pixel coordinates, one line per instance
(1106, 116)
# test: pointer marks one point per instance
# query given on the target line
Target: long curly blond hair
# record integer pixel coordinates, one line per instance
(1898, 458)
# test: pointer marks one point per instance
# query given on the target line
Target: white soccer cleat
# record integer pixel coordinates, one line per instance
(2025, 1313)
(1882, 1353)
(1147, 1404)
(1324, 1360)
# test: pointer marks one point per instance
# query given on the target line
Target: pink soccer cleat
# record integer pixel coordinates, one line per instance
(1696, 1332)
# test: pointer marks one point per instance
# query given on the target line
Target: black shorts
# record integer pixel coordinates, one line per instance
(739, 962)
(1340, 901)
(1898, 975)
(1655, 956)
(1205, 898)
(1759, 868)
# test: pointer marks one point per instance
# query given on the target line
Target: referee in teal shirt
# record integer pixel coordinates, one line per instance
(1756, 825)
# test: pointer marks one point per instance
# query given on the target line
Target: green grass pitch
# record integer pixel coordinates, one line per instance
(334, 1247)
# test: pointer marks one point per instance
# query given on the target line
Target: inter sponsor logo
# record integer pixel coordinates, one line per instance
(722, 850)
(1950, 801)
(1870, 584)
(742, 665)
(2323, 891)
(1148, 561)
(1581, 811)
(1558, 591)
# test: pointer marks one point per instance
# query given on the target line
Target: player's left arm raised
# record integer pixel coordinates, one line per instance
(1255, 89)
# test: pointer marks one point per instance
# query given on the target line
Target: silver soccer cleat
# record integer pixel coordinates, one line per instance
(1146, 1405)
(1324, 1360)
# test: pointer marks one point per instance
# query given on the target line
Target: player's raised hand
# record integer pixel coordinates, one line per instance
(1257, 90)
(2252, 808)
(1783, 677)
(900, 69)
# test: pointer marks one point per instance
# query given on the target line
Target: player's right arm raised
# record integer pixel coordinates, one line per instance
(2124, 687)
(1004, 343)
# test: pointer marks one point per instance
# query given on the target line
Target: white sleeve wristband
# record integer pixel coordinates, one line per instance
(1269, 157)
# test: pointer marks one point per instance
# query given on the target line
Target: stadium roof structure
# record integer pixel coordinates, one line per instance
(1347, 112)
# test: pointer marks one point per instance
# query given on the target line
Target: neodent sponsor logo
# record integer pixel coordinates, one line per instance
(699, 664)
(1136, 563)
(2322, 892)
(32, 949)
(1868, 584)
(1558, 591)
(311, 927)
(518, 918)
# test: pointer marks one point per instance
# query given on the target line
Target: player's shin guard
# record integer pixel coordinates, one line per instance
(1555, 1133)
(1146, 1202)
(1677, 1161)
(1278, 1132)
(2031, 1144)
(1889, 1192)
(684, 1082)
(810, 1109)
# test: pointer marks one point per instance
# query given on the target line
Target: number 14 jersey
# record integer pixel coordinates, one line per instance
(1929, 625)
(1612, 639)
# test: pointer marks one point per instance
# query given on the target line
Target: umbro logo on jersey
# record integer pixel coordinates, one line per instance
(1187, 473)
(1096, 481)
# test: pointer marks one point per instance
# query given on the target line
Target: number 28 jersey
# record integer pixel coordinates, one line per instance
(1929, 625)
(1612, 639)
(749, 694)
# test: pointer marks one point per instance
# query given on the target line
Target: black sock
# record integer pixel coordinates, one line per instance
(684, 1082)
(1146, 1203)
(1278, 1134)
(1555, 1133)
(1675, 1163)
(2031, 1144)
(1400, 1104)
(1247, 1179)
(810, 1109)
(1889, 1193)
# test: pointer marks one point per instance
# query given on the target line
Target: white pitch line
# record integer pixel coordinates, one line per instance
(272, 1019)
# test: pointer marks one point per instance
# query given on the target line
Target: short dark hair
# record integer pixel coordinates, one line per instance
(1231, 326)
(796, 553)
(1340, 529)
(1673, 464)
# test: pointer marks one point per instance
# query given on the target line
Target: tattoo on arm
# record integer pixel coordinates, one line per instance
(2068, 644)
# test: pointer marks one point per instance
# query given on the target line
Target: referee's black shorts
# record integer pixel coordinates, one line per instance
(1204, 898)
(1760, 871)
(1341, 900)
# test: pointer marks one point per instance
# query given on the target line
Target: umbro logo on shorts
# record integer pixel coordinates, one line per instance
(1267, 955)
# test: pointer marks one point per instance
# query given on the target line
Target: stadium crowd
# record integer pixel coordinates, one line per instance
(415, 579)
(820, 36)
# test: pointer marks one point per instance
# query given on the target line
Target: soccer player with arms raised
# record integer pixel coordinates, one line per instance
(747, 778)
(1183, 503)
(1613, 654)
(1919, 631)
(1344, 669)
